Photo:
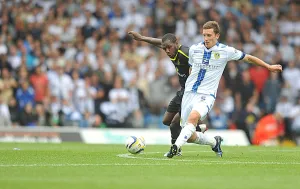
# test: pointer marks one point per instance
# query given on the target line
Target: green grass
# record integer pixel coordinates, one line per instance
(74, 165)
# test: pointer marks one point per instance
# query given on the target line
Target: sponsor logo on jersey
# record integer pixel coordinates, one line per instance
(181, 75)
(205, 61)
(205, 66)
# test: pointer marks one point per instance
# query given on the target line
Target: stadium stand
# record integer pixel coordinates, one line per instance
(72, 63)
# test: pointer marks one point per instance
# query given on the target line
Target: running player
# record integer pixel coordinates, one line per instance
(207, 60)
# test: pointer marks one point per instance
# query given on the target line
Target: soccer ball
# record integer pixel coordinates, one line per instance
(135, 144)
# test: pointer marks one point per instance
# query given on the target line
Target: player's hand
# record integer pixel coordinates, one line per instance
(135, 35)
(275, 68)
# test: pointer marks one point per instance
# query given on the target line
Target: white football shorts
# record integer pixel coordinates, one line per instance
(202, 103)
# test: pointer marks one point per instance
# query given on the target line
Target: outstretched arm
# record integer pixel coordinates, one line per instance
(259, 62)
(154, 41)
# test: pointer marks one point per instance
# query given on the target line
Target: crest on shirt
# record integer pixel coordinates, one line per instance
(217, 55)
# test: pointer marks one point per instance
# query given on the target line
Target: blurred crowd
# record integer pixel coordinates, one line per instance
(71, 62)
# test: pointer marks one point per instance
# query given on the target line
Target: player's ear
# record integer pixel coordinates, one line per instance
(217, 35)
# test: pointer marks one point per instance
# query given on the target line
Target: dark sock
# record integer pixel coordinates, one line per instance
(175, 129)
(173, 140)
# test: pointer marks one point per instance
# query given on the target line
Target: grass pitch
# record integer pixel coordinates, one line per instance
(74, 165)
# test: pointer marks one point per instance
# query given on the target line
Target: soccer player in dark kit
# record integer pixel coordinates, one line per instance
(179, 55)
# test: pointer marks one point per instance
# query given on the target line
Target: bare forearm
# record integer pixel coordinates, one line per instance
(153, 41)
(255, 60)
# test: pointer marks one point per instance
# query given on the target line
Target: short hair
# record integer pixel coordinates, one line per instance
(212, 25)
(169, 37)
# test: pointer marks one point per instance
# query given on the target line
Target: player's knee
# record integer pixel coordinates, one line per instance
(175, 122)
(194, 117)
(166, 122)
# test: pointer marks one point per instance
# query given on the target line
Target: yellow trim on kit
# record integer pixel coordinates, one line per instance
(176, 54)
(174, 57)
(183, 53)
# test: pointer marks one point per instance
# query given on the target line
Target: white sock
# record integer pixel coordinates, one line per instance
(205, 140)
(185, 134)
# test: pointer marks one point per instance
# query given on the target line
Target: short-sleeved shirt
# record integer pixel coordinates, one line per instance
(208, 66)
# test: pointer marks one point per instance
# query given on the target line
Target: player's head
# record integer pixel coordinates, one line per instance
(211, 33)
(170, 44)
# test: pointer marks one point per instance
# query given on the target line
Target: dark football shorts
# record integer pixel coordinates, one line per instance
(175, 104)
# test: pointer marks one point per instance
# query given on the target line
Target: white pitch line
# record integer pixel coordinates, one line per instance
(221, 161)
(79, 165)
(268, 150)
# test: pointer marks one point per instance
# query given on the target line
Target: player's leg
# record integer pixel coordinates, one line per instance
(186, 107)
(200, 106)
(202, 139)
(203, 108)
(199, 111)
(175, 128)
(189, 130)
(172, 117)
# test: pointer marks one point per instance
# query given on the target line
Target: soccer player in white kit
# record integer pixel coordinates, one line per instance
(207, 61)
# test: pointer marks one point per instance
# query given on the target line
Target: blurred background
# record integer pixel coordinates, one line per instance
(71, 63)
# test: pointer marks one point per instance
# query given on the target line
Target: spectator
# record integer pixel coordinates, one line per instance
(14, 111)
(227, 104)
(88, 38)
(218, 119)
(268, 130)
(232, 77)
(27, 116)
(39, 81)
(43, 117)
(25, 95)
(5, 119)
(286, 50)
(246, 89)
(291, 75)
(98, 122)
(271, 92)
(295, 119)
(14, 58)
(7, 85)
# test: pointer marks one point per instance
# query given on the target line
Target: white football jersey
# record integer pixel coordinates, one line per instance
(208, 66)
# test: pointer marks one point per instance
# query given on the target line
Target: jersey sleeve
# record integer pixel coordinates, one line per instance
(234, 54)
